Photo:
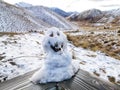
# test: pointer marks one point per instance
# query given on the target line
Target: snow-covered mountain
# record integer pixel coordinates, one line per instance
(73, 17)
(36, 18)
(114, 12)
(16, 19)
(111, 16)
(88, 15)
(23, 4)
(97, 16)
(61, 12)
(48, 16)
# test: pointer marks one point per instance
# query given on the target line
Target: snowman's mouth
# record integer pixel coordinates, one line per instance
(56, 49)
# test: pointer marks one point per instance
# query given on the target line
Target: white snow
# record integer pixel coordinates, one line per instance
(97, 62)
(22, 53)
(28, 49)
(98, 24)
(50, 17)
(19, 19)
(23, 4)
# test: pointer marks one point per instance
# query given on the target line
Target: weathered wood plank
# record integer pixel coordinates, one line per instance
(96, 82)
(7, 85)
(81, 81)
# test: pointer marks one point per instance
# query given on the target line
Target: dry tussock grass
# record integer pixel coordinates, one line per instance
(103, 44)
(9, 33)
(91, 27)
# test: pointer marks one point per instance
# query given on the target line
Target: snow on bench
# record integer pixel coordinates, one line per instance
(81, 81)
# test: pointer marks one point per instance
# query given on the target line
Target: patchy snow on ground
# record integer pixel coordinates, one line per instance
(98, 63)
(19, 54)
(22, 53)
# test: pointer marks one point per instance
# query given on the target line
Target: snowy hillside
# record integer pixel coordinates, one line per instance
(23, 4)
(17, 19)
(114, 12)
(49, 17)
(25, 56)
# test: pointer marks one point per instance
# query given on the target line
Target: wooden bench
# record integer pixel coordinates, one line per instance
(81, 81)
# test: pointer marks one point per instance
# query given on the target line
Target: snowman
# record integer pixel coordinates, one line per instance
(58, 64)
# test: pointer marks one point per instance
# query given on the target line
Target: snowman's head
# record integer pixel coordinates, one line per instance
(54, 41)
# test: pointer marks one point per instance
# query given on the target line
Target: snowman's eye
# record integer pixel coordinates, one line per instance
(48, 42)
(62, 45)
(51, 35)
(58, 33)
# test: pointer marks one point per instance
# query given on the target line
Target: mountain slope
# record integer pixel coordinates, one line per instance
(48, 16)
(23, 4)
(89, 15)
(61, 12)
(97, 16)
(17, 19)
(114, 12)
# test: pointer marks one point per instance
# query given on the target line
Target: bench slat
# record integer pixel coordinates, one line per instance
(81, 81)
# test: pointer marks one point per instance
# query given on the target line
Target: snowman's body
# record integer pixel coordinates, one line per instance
(58, 64)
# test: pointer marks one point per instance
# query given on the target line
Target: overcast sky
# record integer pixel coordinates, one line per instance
(74, 5)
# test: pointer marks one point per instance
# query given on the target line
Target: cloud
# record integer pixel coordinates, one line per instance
(74, 5)
(98, 0)
(112, 5)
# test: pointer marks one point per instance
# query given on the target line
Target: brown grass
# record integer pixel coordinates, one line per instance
(91, 27)
(11, 34)
(91, 42)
